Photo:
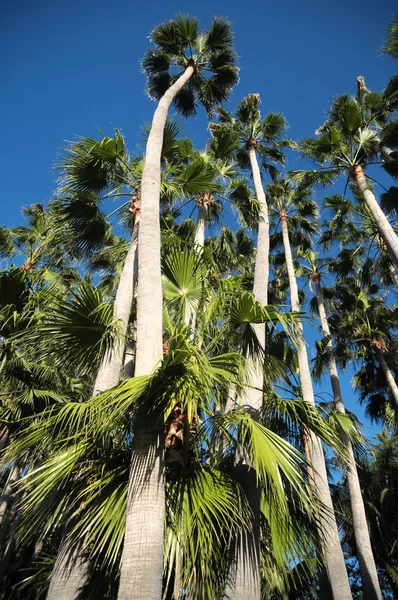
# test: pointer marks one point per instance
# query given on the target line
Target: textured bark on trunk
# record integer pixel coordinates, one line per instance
(331, 547)
(244, 573)
(142, 564)
(367, 566)
(386, 231)
(70, 572)
(388, 375)
(244, 576)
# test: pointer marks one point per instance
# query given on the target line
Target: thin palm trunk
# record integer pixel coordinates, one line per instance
(367, 566)
(331, 547)
(244, 577)
(6, 496)
(111, 365)
(388, 375)
(4, 436)
(386, 231)
(199, 242)
(142, 564)
(200, 230)
(71, 568)
(394, 274)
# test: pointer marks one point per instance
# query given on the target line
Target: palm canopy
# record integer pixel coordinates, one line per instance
(357, 132)
(234, 135)
(178, 45)
(390, 45)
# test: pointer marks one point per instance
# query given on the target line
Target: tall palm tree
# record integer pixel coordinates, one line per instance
(356, 134)
(390, 45)
(179, 47)
(293, 204)
(370, 582)
(245, 137)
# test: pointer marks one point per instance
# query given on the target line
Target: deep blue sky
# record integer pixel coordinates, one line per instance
(70, 67)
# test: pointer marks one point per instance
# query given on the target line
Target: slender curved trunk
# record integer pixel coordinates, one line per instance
(244, 576)
(367, 566)
(111, 365)
(386, 231)
(71, 566)
(388, 375)
(142, 564)
(329, 535)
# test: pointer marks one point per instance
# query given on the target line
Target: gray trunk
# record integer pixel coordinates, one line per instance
(388, 375)
(70, 571)
(6, 496)
(201, 227)
(386, 231)
(244, 575)
(199, 241)
(109, 371)
(331, 547)
(367, 566)
(394, 274)
(71, 568)
(142, 564)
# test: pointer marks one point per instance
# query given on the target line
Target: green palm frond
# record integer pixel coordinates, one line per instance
(184, 277)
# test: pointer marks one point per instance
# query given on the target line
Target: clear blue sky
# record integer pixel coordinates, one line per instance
(70, 67)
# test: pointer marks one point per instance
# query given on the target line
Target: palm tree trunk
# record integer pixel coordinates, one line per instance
(199, 242)
(367, 566)
(111, 365)
(7, 493)
(70, 570)
(394, 274)
(332, 552)
(201, 227)
(244, 576)
(388, 375)
(4, 435)
(386, 231)
(142, 562)
(142, 566)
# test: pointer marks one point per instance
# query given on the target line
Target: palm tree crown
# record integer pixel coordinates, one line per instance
(178, 45)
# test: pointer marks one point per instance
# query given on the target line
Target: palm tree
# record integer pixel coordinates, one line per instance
(293, 204)
(390, 45)
(178, 46)
(355, 135)
(365, 325)
(370, 583)
(246, 136)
